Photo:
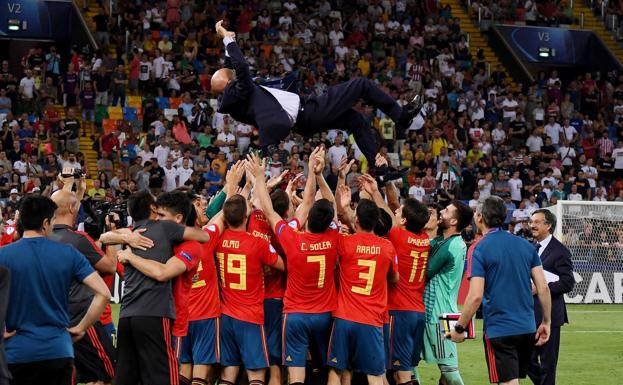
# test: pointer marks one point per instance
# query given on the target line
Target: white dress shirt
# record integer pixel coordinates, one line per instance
(289, 101)
(544, 244)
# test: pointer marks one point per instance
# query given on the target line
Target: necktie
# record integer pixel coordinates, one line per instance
(537, 246)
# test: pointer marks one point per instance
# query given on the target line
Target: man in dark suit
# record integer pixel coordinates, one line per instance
(556, 259)
(276, 112)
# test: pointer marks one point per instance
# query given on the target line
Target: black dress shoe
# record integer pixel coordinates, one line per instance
(410, 111)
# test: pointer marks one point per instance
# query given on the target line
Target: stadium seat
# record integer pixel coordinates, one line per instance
(163, 103)
(129, 114)
(175, 102)
(109, 125)
(169, 112)
(134, 101)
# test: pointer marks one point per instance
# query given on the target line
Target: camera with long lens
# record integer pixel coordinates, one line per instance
(95, 225)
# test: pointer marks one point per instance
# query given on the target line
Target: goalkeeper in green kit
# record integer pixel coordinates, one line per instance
(443, 275)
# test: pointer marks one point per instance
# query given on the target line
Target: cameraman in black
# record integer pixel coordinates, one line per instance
(94, 354)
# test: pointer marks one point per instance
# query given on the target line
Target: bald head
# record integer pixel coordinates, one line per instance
(67, 206)
(220, 79)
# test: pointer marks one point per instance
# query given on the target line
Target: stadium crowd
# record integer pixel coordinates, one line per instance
(478, 135)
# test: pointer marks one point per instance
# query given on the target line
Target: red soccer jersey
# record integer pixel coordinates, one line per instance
(365, 260)
(191, 253)
(412, 251)
(470, 253)
(311, 263)
(241, 258)
(204, 301)
(7, 235)
(274, 280)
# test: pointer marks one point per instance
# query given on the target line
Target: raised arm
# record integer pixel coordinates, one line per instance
(310, 189)
(325, 190)
(244, 82)
(257, 167)
(345, 213)
(368, 184)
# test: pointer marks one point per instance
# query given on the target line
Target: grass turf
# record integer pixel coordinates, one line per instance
(591, 350)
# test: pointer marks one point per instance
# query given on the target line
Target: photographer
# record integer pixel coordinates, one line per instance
(94, 354)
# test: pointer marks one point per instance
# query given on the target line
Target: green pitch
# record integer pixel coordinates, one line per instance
(591, 350)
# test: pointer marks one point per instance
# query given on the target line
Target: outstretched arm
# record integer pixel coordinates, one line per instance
(244, 82)
(310, 189)
(325, 190)
(368, 184)
(257, 168)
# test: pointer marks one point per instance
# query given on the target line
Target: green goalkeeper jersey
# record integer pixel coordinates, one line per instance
(444, 273)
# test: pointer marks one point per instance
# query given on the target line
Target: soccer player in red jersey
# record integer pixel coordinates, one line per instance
(310, 295)
(199, 350)
(241, 258)
(406, 297)
(366, 262)
(274, 280)
(274, 284)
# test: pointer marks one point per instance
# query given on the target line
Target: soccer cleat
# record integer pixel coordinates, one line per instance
(410, 111)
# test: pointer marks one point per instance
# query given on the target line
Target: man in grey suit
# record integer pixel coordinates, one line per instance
(556, 259)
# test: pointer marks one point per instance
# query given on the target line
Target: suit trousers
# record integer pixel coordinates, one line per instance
(334, 110)
(542, 369)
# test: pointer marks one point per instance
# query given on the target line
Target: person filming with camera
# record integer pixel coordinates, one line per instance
(94, 354)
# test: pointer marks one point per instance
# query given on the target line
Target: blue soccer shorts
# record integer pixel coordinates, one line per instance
(242, 343)
(273, 317)
(356, 346)
(406, 336)
(200, 345)
(302, 333)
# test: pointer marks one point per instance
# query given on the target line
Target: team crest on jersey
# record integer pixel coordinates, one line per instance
(293, 224)
(271, 248)
(187, 256)
(333, 226)
(10, 230)
(211, 228)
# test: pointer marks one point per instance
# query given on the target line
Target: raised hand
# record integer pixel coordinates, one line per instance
(380, 161)
(276, 180)
(313, 160)
(256, 166)
(345, 166)
(320, 161)
(343, 196)
(234, 176)
(368, 184)
(220, 30)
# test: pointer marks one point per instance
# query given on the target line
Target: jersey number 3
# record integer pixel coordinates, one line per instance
(368, 277)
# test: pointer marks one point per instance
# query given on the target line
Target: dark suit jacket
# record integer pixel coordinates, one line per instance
(249, 103)
(556, 258)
